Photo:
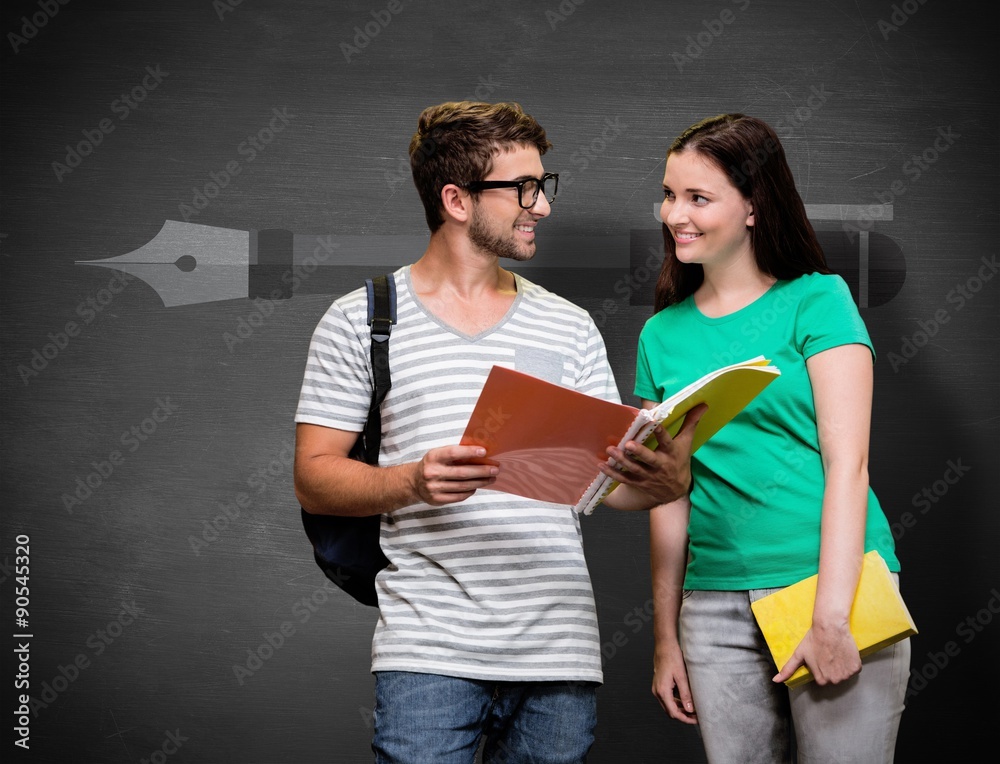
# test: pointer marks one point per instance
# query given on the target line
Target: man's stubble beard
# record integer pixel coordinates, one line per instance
(489, 242)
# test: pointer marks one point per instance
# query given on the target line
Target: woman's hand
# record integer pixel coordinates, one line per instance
(662, 474)
(670, 682)
(830, 653)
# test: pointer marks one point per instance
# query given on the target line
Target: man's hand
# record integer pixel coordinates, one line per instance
(663, 474)
(444, 476)
(328, 481)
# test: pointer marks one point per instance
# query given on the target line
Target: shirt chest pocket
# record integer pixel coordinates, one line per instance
(549, 365)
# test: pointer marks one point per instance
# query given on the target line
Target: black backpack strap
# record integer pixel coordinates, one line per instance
(381, 317)
(347, 548)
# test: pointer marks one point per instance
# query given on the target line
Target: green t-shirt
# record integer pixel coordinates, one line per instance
(758, 483)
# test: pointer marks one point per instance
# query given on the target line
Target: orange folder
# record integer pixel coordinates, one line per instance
(549, 440)
(546, 439)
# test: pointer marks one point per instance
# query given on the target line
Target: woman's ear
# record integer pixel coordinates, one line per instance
(750, 220)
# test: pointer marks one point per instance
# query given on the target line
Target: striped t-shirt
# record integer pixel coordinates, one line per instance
(494, 587)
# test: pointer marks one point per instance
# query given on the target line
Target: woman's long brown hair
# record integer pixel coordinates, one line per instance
(749, 152)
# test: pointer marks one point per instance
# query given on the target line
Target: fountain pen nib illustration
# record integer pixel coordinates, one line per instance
(187, 263)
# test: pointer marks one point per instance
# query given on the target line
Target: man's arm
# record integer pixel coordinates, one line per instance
(329, 482)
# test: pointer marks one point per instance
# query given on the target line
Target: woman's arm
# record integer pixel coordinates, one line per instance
(841, 379)
(668, 558)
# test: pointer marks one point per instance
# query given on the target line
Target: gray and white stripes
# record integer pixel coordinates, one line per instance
(495, 587)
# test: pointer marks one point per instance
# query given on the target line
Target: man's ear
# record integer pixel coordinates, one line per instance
(456, 203)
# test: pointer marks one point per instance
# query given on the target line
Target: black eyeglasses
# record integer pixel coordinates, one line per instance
(527, 189)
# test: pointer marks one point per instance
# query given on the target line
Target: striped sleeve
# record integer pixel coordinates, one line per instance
(337, 385)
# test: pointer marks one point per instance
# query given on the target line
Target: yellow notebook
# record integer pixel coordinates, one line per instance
(879, 616)
(727, 391)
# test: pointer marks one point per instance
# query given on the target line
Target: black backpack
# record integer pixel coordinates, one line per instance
(347, 548)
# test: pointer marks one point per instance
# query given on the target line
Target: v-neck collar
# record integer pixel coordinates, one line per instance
(518, 285)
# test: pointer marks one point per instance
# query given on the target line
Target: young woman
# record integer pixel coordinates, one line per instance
(779, 494)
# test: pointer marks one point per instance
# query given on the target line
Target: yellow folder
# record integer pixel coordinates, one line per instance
(878, 617)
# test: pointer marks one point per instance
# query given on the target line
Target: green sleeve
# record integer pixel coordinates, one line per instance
(828, 318)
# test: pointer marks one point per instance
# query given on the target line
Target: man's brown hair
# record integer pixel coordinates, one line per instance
(456, 141)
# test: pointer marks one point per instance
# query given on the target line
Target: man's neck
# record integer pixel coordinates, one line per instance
(453, 264)
(466, 289)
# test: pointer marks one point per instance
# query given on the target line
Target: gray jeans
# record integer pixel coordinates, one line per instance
(745, 718)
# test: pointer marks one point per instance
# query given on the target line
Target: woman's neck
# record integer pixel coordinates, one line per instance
(728, 289)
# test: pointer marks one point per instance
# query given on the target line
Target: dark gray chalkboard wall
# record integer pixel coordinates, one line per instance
(876, 102)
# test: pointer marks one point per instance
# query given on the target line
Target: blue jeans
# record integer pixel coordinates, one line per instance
(745, 718)
(421, 718)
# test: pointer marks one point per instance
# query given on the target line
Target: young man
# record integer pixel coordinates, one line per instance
(487, 621)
